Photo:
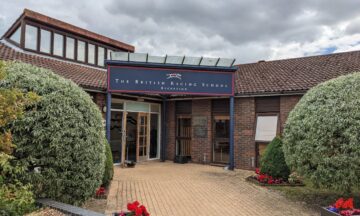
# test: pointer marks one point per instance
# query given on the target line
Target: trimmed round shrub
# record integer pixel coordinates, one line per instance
(273, 161)
(109, 167)
(60, 139)
(322, 134)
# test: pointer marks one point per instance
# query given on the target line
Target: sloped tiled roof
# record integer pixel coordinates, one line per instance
(271, 77)
(294, 75)
(85, 76)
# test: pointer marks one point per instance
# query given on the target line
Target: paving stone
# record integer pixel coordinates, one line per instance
(169, 189)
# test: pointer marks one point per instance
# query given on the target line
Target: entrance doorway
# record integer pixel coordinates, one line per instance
(221, 141)
(134, 131)
(183, 135)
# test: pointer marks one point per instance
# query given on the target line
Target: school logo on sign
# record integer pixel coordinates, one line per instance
(173, 76)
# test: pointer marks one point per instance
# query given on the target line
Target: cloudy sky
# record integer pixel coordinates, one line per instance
(248, 30)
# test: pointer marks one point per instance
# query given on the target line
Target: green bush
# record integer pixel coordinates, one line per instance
(322, 134)
(16, 199)
(63, 137)
(273, 161)
(109, 167)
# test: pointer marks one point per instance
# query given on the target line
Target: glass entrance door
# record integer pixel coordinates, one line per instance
(131, 135)
(116, 135)
(143, 136)
(221, 141)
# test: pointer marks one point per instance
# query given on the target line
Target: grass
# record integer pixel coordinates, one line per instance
(313, 196)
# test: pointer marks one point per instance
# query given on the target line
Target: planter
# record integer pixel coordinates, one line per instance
(253, 180)
(181, 159)
(326, 212)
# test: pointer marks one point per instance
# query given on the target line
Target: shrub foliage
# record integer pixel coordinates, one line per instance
(109, 168)
(322, 134)
(273, 161)
(63, 138)
(15, 197)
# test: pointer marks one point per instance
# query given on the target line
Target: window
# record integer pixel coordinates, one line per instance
(45, 41)
(81, 51)
(91, 53)
(109, 51)
(31, 37)
(100, 56)
(266, 128)
(58, 44)
(70, 48)
(16, 35)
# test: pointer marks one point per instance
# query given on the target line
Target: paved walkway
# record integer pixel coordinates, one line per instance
(169, 189)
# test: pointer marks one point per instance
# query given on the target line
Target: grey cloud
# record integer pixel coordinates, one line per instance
(246, 29)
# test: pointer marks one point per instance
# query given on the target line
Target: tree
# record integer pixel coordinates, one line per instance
(322, 134)
(273, 161)
(62, 142)
(15, 197)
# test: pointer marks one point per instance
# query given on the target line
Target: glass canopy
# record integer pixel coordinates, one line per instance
(179, 60)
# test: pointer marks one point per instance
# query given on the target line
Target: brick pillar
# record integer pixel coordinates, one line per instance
(287, 103)
(170, 124)
(201, 146)
(244, 133)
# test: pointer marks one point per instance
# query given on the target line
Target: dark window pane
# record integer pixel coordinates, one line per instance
(81, 51)
(16, 36)
(91, 53)
(30, 37)
(58, 44)
(70, 47)
(45, 41)
(100, 56)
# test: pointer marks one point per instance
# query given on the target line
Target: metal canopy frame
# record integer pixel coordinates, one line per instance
(168, 59)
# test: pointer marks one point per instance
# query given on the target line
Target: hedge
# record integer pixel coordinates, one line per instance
(62, 136)
(322, 134)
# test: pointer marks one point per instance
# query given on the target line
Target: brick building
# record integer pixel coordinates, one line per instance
(265, 93)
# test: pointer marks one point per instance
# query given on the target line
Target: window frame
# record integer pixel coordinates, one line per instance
(66, 47)
(17, 27)
(277, 125)
(65, 34)
(37, 45)
(39, 41)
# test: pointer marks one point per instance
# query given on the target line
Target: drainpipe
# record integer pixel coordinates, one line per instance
(231, 159)
(108, 115)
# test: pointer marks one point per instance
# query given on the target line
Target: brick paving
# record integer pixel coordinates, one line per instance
(169, 189)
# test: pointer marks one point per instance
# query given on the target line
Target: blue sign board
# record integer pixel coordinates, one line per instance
(169, 81)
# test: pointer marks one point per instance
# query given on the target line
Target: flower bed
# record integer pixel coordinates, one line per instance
(267, 180)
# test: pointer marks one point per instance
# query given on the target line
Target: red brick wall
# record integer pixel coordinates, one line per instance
(201, 147)
(244, 134)
(287, 103)
(170, 125)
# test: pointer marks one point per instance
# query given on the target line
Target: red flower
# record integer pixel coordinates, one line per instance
(348, 204)
(138, 212)
(339, 203)
(131, 207)
(257, 171)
